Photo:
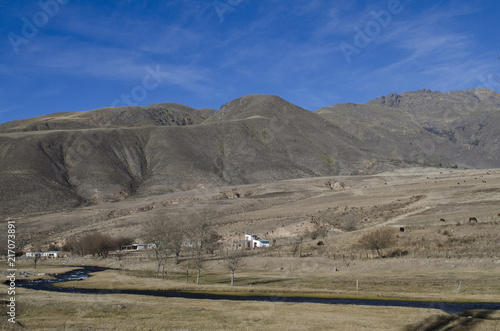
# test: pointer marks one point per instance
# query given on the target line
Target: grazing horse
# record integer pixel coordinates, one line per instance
(442, 220)
(472, 219)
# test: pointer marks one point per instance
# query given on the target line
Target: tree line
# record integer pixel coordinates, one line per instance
(96, 244)
(195, 237)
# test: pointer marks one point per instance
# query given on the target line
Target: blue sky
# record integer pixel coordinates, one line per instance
(69, 55)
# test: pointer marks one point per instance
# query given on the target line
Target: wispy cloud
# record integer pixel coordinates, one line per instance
(424, 50)
(285, 48)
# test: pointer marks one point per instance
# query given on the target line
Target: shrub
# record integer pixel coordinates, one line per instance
(378, 240)
(95, 243)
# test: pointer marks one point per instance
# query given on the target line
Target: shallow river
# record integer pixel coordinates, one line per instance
(80, 274)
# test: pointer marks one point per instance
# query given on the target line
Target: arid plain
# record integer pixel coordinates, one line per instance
(432, 260)
(397, 198)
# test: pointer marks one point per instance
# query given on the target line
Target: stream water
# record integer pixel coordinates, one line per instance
(80, 274)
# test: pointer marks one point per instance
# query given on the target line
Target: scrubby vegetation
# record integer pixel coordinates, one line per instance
(96, 244)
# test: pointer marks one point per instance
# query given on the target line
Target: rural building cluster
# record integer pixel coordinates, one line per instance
(251, 241)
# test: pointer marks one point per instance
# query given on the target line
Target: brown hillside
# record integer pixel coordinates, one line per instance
(165, 114)
(430, 128)
(252, 139)
(71, 159)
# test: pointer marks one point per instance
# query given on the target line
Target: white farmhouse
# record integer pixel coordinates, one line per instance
(255, 242)
(49, 254)
(137, 247)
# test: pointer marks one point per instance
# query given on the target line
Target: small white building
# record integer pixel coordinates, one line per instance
(255, 242)
(49, 254)
(137, 247)
(261, 243)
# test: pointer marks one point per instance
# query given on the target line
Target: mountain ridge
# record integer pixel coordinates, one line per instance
(71, 159)
(457, 127)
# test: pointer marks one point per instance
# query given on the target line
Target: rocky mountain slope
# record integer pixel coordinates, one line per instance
(430, 128)
(66, 160)
(71, 159)
(165, 114)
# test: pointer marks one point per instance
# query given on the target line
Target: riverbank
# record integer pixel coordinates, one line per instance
(395, 279)
(39, 309)
(52, 310)
(26, 272)
(451, 280)
(45, 310)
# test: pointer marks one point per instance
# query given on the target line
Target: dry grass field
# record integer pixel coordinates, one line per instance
(44, 310)
(427, 261)
(47, 310)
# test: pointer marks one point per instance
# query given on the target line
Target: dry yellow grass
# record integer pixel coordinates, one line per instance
(44, 310)
(284, 209)
(411, 279)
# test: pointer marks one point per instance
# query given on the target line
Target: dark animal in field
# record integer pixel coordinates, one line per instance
(472, 219)
(442, 220)
(402, 229)
(498, 214)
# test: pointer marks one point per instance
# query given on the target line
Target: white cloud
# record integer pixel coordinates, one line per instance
(430, 50)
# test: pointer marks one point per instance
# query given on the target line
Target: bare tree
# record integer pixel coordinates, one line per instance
(95, 243)
(233, 259)
(73, 245)
(319, 230)
(350, 222)
(155, 232)
(36, 242)
(98, 244)
(167, 238)
(175, 235)
(377, 240)
(201, 239)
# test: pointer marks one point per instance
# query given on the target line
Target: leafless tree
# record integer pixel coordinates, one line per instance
(73, 245)
(156, 233)
(350, 222)
(201, 239)
(233, 259)
(377, 240)
(97, 244)
(175, 236)
(319, 230)
(36, 242)
(167, 236)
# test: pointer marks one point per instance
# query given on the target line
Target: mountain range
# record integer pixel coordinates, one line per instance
(66, 160)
